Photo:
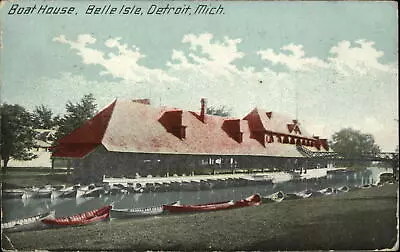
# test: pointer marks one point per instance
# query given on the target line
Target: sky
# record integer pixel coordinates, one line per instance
(332, 65)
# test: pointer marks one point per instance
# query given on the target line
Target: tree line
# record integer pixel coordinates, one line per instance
(18, 125)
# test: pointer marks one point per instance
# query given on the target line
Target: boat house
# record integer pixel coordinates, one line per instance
(131, 137)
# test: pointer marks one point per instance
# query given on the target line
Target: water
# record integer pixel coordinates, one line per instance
(20, 208)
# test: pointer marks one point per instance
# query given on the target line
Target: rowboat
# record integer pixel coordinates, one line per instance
(280, 196)
(115, 189)
(68, 192)
(35, 192)
(90, 191)
(81, 218)
(328, 191)
(138, 212)
(253, 200)
(310, 193)
(29, 223)
(275, 197)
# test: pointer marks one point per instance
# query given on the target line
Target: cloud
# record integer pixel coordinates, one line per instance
(329, 94)
(360, 58)
(293, 58)
(125, 64)
(220, 53)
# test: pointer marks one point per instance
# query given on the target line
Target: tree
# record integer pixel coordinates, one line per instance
(77, 114)
(219, 111)
(16, 134)
(353, 144)
(43, 118)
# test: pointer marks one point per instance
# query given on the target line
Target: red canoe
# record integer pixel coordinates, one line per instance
(80, 219)
(253, 200)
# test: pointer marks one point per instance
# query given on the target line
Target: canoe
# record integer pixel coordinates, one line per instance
(138, 212)
(81, 218)
(29, 223)
(253, 200)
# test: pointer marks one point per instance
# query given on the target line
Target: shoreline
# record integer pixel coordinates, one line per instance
(359, 219)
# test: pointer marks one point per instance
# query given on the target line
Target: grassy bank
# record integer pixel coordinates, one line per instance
(362, 219)
(34, 176)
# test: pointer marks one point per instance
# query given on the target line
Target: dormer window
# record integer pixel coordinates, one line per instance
(172, 122)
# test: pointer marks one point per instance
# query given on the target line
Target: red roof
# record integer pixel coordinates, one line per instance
(129, 126)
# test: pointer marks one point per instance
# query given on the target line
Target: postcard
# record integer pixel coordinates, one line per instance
(199, 125)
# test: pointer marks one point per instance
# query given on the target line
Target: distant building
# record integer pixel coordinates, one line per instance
(133, 137)
(44, 138)
(42, 142)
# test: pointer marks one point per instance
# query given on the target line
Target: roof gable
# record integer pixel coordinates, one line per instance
(92, 131)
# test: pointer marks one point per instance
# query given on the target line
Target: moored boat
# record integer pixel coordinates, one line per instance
(25, 224)
(253, 200)
(68, 192)
(90, 191)
(12, 193)
(81, 218)
(35, 192)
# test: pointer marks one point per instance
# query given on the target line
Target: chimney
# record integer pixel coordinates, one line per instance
(203, 111)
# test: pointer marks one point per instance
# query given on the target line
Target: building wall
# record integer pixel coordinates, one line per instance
(118, 164)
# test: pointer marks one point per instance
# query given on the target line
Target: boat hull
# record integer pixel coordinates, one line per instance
(136, 213)
(85, 218)
(253, 200)
(27, 224)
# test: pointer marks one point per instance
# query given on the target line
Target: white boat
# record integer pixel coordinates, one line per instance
(275, 197)
(67, 192)
(115, 189)
(138, 212)
(310, 193)
(328, 191)
(35, 192)
(12, 193)
(29, 223)
(90, 191)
